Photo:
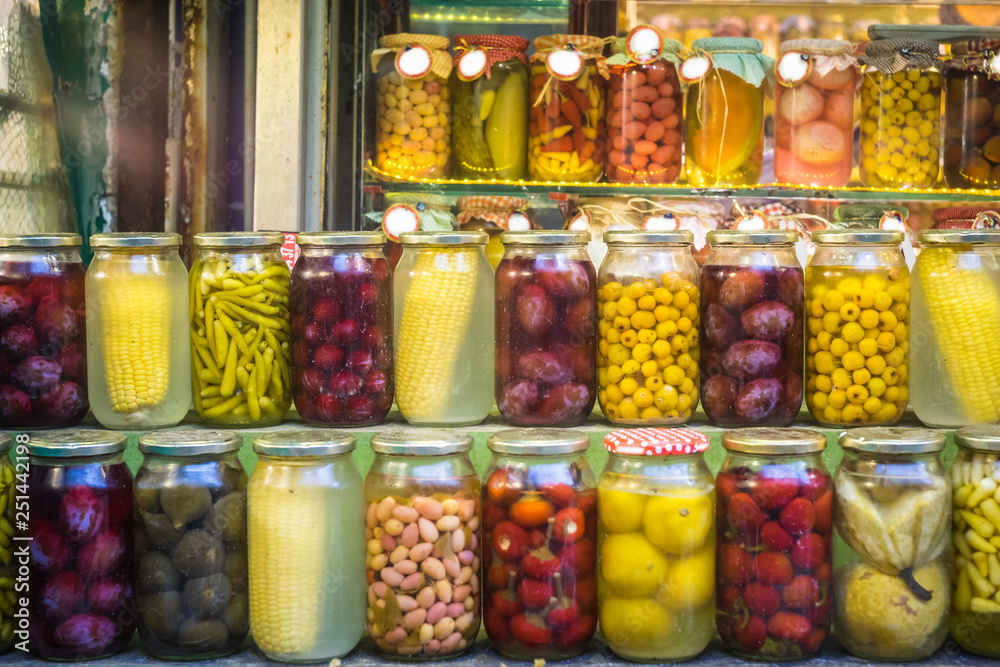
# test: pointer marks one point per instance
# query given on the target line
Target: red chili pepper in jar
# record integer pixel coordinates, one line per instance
(530, 630)
(531, 512)
(569, 525)
(509, 541)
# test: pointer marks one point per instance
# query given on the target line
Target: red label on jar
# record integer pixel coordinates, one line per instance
(290, 250)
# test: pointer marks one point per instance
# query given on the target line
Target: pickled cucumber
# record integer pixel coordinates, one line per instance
(508, 148)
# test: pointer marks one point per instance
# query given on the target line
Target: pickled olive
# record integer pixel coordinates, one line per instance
(971, 153)
(240, 335)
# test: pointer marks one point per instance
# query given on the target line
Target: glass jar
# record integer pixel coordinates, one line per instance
(648, 351)
(566, 118)
(972, 101)
(857, 364)
(43, 350)
(545, 325)
(412, 105)
(900, 114)
(138, 358)
(412, 212)
(7, 572)
(191, 544)
(240, 329)
(491, 107)
(422, 526)
(305, 517)
(814, 112)
(341, 329)
(975, 618)
(966, 217)
(656, 536)
(645, 104)
(773, 590)
(540, 516)
(493, 214)
(893, 518)
(956, 323)
(724, 134)
(81, 572)
(751, 316)
(443, 328)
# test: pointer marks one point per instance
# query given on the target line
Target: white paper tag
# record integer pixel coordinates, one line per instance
(660, 223)
(793, 68)
(695, 68)
(398, 219)
(644, 44)
(472, 64)
(564, 64)
(414, 61)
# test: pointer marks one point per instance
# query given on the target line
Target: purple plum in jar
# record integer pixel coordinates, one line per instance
(15, 305)
(720, 327)
(56, 321)
(373, 337)
(360, 407)
(581, 320)
(543, 367)
(741, 289)
(64, 401)
(327, 407)
(81, 514)
(325, 310)
(567, 401)
(312, 381)
(39, 288)
(101, 556)
(86, 634)
(534, 310)
(717, 395)
(345, 384)
(518, 398)
(63, 595)
(376, 382)
(37, 374)
(758, 399)
(49, 551)
(768, 320)
(360, 362)
(14, 404)
(19, 341)
(107, 596)
(344, 332)
(328, 357)
(751, 359)
(562, 278)
(73, 359)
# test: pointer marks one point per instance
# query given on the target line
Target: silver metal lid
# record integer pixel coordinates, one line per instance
(538, 441)
(6, 442)
(681, 236)
(40, 240)
(858, 236)
(892, 440)
(755, 237)
(421, 442)
(985, 437)
(238, 239)
(130, 240)
(774, 441)
(71, 442)
(189, 442)
(545, 237)
(444, 238)
(304, 442)
(944, 236)
(337, 239)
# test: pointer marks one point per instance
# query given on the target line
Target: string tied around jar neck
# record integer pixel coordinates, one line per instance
(440, 61)
(495, 48)
(756, 219)
(699, 223)
(587, 47)
(889, 56)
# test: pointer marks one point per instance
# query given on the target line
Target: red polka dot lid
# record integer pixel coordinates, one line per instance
(655, 441)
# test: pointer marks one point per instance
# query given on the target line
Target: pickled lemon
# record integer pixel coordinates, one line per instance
(634, 626)
(678, 525)
(631, 565)
(620, 511)
(690, 580)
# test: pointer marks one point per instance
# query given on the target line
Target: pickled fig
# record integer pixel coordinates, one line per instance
(227, 518)
(534, 310)
(720, 328)
(198, 554)
(566, 401)
(185, 503)
(147, 499)
(37, 374)
(751, 359)
(717, 394)
(203, 636)
(758, 399)
(237, 614)
(156, 573)
(49, 552)
(101, 556)
(81, 514)
(86, 634)
(207, 597)
(518, 398)
(108, 596)
(160, 530)
(19, 341)
(235, 569)
(768, 319)
(560, 277)
(544, 367)
(161, 613)
(62, 401)
(56, 321)
(742, 289)
(62, 596)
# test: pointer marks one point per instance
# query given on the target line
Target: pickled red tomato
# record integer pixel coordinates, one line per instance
(545, 346)
(752, 347)
(342, 338)
(43, 366)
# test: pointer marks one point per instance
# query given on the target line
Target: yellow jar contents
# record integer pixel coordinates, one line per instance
(858, 350)
(413, 136)
(648, 351)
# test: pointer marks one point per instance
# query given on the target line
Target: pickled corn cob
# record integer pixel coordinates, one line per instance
(964, 311)
(436, 315)
(286, 532)
(136, 339)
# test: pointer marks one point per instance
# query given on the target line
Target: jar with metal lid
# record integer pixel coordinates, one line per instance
(412, 105)
(645, 105)
(971, 103)
(490, 82)
(80, 567)
(900, 114)
(191, 544)
(240, 329)
(724, 133)
(775, 503)
(647, 299)
(43, 321)
(893, 517)
(7, 493)
(955, 372)
(494, 214)
(656, 536)
(443, 328)
(423, 532)
(751, 317)
(545, 325)
(341, 329)
(975, 618)
(814, 112)
(540, 516)
(857, 363)
(305, 517)
(138, 357)
(411, 212)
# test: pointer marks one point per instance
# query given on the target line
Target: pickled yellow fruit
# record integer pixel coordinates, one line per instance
(689, 583)
(678, 525)
(724, 141)
(631, 565)
(620, 511)
(634, 626)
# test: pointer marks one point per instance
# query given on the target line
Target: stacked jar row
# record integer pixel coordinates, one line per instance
(569, 114)
(656, 552)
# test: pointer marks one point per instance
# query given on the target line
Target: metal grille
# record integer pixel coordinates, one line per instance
(34, 192)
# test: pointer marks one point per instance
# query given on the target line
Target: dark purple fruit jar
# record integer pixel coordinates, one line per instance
(81, 604)
(752, 292)
(43, 348)
(546, 329)
(341, 329)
